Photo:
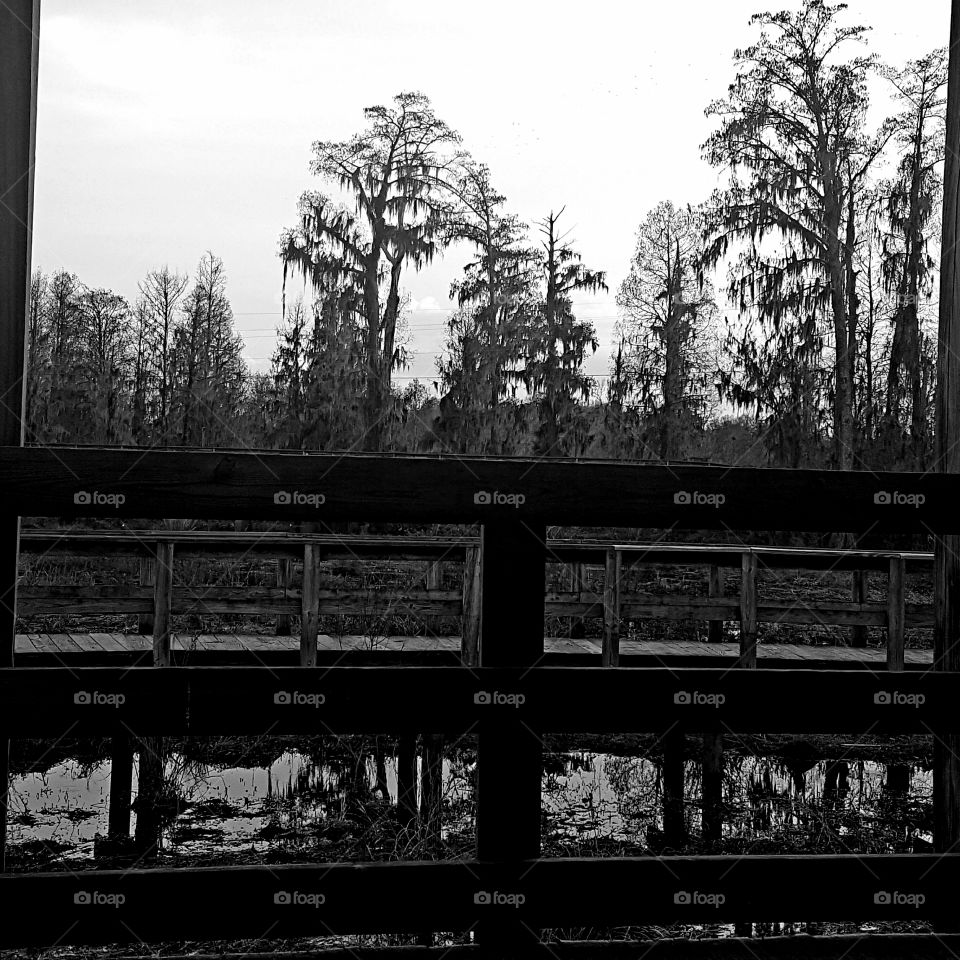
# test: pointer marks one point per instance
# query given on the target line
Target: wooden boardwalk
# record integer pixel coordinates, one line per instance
(51, 647)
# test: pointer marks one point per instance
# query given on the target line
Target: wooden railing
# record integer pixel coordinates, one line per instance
(155, 599)
(507, 894)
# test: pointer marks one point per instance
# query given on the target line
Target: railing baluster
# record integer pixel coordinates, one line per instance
(162, 596)
(310, 606)
(896, 619)
(748, 611)
(611, 609)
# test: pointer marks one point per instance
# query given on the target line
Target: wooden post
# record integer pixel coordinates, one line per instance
(711, 775)
(431, 791)
(574, 583)
(946, 577)
(283, 581)
(470, 619)
(510, 758)
(674, 822)
(748, 612)
(19, 59)
(895, 614)
(611, 609)
(858, 593)
(715, 592)
(149, 792)
(162, 594)
(406, 779)
(121, 785)
(310, 606)
(148, 578)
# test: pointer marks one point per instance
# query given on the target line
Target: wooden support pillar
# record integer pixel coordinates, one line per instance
(896, 614)
(19, 61)
(310, 606)
(148, 578)
(711, 779)
(283, 581)
(510, 758)
(406, 779)
(470, 619)
(162, 596)
(715, 592)
(149, 793)
(611, 609)
(858, 593)
(121, 786)
(748, 611)
(674, 822)
(946, 577)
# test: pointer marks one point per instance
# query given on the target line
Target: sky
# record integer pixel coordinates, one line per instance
(166, 129)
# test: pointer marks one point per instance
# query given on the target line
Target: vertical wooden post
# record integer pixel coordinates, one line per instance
(470, 619)
(149, 792)
(162, 595)
(715, 592)
(711, 773)
(19, 60)
(510, 759)
(748, 611)
(283, 581)
(121, 785)
(574, 583)
(310, 606)
(431, 790)
(946, 577)
(611, 609)
(406, 779)
(895, 614)
(858, 593)
(148, 578)
(674, 822)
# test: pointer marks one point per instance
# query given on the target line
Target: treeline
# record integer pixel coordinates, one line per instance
(787, 318)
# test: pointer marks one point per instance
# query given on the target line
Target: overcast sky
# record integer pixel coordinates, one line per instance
(169, 128)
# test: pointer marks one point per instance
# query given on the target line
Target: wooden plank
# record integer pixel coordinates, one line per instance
(218, 484)
(471, 607)
(896, 588)
(112, 641)
(565, 892)
(309, 607)
(748, 611)
(86, 642)
(611, 609)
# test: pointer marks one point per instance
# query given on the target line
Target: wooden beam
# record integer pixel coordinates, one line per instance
(297, 900)
(189, 700)
(283, 486)
(611, 609)
(19, 65)
(748, 611)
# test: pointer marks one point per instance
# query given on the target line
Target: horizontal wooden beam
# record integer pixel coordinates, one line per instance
(251, 700)
(323, 899)
(82, 481)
